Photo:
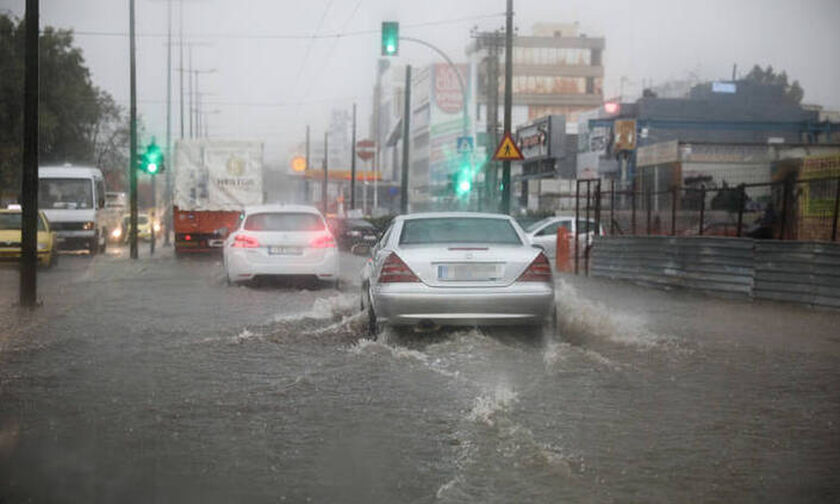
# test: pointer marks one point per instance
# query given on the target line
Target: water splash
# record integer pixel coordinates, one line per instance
(324, 308)
(579, 316)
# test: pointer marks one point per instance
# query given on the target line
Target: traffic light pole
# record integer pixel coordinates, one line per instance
(152, 216)
(406, 142)
(326, 174)
(29, 187)
(132, 169)
(465, 126)
(508, 103)
(353, 163)
(306, 198)
(167, 213)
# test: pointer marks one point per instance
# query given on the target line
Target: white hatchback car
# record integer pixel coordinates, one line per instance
(281, 240)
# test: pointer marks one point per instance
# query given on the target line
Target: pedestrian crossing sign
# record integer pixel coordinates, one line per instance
(507, 150)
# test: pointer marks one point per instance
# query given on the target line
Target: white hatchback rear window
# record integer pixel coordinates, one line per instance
(285, 221)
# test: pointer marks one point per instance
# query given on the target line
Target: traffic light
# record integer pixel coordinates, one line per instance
(462, 180)
(390, 38)
(151, 161)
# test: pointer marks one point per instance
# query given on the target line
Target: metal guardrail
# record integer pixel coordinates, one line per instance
(800, 272)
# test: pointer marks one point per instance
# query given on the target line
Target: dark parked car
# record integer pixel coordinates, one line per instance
(351, 232)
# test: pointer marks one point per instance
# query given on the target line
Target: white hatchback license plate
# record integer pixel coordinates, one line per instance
(285, 250)
(480, 272)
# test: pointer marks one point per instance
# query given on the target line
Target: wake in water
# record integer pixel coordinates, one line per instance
(580, 318)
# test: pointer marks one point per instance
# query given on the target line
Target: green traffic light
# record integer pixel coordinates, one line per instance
(390, 38)
(464, 186)
(151, 161)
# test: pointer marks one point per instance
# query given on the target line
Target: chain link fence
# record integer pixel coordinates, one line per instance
(806, 210)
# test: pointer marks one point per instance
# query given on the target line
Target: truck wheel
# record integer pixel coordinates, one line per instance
(93, 245)
(104, 246)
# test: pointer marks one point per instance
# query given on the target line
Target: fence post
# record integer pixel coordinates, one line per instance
(586, 243)
(742, 194)
(633, 201)
(674, 211)
(648, 203)
(598, 196)
(612, 207)
(784, 209)
(577, 218)
(836, 210)
(702, 208)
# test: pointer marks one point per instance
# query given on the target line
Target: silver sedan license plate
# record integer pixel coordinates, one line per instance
(285, 250)
(469, 272)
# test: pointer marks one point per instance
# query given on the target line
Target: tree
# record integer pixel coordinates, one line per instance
(768, 76)
(78, 122)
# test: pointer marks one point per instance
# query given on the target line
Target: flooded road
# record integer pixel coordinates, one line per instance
(155, 382)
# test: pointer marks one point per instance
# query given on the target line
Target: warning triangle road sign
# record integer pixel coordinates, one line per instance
(507, 150)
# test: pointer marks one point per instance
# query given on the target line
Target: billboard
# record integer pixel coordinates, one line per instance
(542, 138)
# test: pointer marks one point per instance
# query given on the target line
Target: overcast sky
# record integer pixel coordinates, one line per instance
(271, 78)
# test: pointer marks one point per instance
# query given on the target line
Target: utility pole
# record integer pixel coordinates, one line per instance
(167, 217)
(326, 178)
(132, 169)
(29, 187)
(376, 126)
(508, 103)
(191, 92)
(492, 41)
(305, 182)
(406, 142)
(353, 163)
(181, 60)
(197, 101)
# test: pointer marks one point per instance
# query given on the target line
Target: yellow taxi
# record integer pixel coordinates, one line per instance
(145, 227)
(10, 237)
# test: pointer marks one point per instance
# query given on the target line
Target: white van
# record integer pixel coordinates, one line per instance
(73, 199)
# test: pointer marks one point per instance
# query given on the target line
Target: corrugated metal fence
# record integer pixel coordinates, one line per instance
(801, 272)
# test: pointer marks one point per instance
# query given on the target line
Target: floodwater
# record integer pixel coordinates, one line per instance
(155, 382)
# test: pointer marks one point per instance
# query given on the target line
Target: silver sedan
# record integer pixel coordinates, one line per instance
(457, 269)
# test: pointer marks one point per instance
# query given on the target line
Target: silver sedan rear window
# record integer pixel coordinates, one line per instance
(458, 230)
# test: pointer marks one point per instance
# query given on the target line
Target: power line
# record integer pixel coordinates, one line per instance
(251, 36)
(332, 47)
(311, 42)
(256, 104)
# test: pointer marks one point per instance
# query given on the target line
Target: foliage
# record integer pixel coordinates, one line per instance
(793, 90)
(78, 122)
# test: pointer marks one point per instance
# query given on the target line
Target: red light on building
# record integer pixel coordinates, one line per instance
(612, 107)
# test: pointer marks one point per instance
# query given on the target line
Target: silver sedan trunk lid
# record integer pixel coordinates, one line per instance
(469, 265)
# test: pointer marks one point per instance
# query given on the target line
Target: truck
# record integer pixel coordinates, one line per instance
(73, 200)
(215, 179)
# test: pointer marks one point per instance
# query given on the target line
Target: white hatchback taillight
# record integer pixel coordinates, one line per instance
(538, 271)
(324, 241)
(395, 270)
(245, 241)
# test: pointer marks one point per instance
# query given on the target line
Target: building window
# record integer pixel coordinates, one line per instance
(596, 57)
(590, 85)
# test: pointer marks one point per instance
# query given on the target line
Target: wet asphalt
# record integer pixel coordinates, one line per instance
(154, 381)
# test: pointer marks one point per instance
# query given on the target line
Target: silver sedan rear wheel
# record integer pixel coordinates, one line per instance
(372, 324)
